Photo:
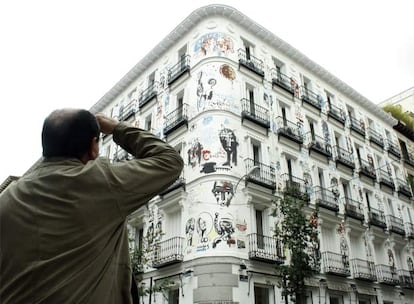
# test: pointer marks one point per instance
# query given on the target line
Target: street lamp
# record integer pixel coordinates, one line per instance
(248, 174)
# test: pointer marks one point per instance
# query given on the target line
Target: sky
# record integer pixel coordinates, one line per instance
(57, 54)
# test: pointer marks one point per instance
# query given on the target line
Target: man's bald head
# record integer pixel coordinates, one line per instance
(69, 133)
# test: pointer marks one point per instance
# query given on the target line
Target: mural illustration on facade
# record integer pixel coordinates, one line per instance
(229, 143)
(343, 245)
(223, 192)
(224, 228)
(391, 260)
(154, 230)
(215, 88)
(349, 144)
(213, 44)
(204, 225)
(241, 226)
(410, 265)
(189, 231)
(194, 153)
(308, 182)
(335, 189)
(325, 131)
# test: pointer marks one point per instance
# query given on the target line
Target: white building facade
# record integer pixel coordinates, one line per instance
(233, 97)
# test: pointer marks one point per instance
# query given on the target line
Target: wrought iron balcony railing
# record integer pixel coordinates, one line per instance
(387, 275)
(393, 149)
(375, 137)
(409, 230)
(406, 278)
(367, 169)
(255, 113)
(250, 62)
(335, 263)
(168, 252)
(326, 199)
(385, 178)
(265, 248)
(319, 144)
(148, 94)
(176, 119)
(311, 98)
(403, 188)
(177, 70)
(357, 125)
(408, 159)
(363, 270)
(336, 113)
(283, 81)
(264, 176)
(395, 224)
(128, 110)
(377, 218)
(289, 130)
(296, 187)
(344, 157)
(353, 209)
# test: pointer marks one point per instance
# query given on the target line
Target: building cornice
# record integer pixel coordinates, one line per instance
(255, 29)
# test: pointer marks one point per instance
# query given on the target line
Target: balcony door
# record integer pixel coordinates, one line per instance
(259, 229)
(263, 294)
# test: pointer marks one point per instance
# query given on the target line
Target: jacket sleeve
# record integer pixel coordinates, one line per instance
(155, 167)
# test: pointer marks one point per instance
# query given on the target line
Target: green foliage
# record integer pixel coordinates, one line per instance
(299, 236)
(397, 112)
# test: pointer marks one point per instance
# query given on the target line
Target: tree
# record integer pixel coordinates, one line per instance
(398, 113)
(299, 236)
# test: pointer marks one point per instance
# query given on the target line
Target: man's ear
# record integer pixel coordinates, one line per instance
(94, 148)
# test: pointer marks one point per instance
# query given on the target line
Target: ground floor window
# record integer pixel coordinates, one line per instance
(263, 294)
(336, 299)
(173, 296)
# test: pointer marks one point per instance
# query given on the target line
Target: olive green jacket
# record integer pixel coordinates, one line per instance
(63, 226)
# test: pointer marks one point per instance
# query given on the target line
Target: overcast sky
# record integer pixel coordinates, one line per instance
(58, 54)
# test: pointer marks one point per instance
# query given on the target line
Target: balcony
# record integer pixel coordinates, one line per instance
(387, 275)
(393, 149)
(283, 81)
(353, 209)
(178, 183)
(264, 176)
(176, 119)
(295, 187)
(406, 278)
(122, 155)
(128, 110)
(377, 218)
(363, 270)
(357, 125)
(326, 199)
(251, 63)
(148, 94)
(367, 169)
(375, 137)
(289, 130)
(255, 113)
(179, 69)
(396, 225)
(344, 158)
(336, 114)
(265, 248)
(403, 189)
(385, 179)
(409, 230)
(335, 263)
(319, 145)
(311, 98)
(168, 252)
(408, 160)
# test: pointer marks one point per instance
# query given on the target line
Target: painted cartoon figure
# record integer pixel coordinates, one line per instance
(204, 94)
(223, 191)
(224, 228)
(194, 153)
(202, 229)
(189, 231)
(229, 143)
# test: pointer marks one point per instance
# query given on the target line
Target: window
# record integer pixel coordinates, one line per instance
(151, 79)
(329, 98)
(250, 97)
(248, 48)
(259, 229)
(279, 67)
(311, 128)
(307, 85)
(263, 294)
(335, 300)
(174, 296)
(181, 55)
(256, 153)
(321, 178)
(148, 123)
(346, 188)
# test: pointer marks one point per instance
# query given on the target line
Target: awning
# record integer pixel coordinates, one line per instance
(366, 290)
(338, 286)
(312, 282)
